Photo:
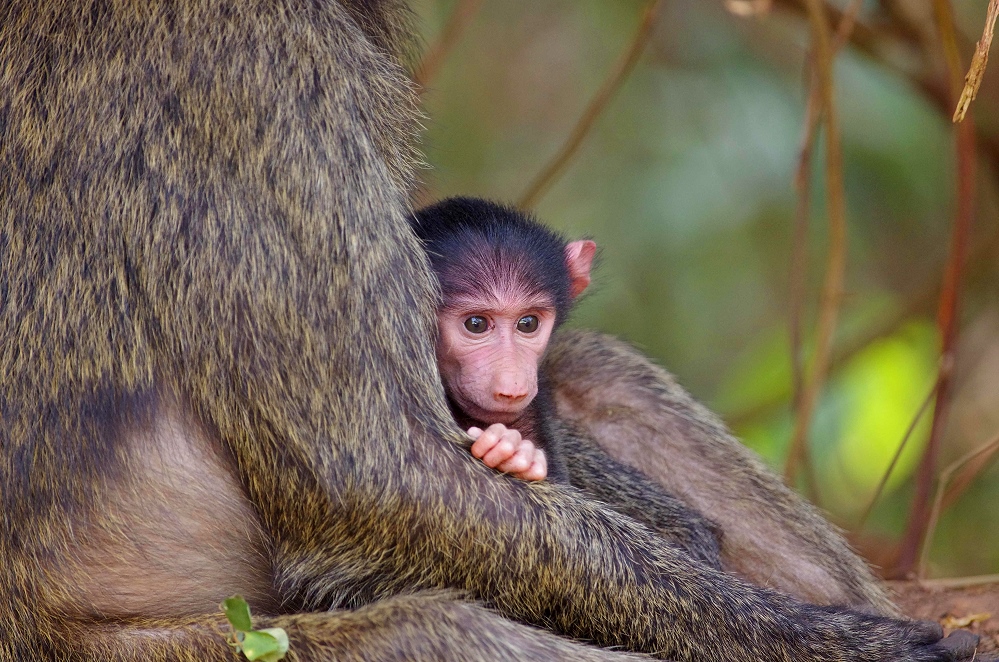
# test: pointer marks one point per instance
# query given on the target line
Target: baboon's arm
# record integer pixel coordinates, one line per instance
(630, 492)
(541, 554)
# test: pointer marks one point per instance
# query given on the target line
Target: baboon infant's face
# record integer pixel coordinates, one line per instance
(489, 348)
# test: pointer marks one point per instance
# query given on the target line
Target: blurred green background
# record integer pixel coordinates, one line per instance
(686, 184)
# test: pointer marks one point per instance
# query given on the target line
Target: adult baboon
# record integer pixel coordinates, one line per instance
(218, 375)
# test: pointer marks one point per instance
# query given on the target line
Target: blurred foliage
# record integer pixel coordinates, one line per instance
(686, 183)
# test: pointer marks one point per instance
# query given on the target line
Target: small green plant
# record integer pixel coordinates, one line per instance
(267, 645)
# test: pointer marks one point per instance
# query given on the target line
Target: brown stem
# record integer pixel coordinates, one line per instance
(847, 23)
(898, 36)
(832, 290)
(898, 453)
(551, 172)
(799, 257)
(960, 582)
(978, 61)
(862, 36)
(966, 476)
(437, 54)
(920, 304)
(988, 448)
(950, 295)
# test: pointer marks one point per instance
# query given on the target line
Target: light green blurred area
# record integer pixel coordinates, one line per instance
(686, 184)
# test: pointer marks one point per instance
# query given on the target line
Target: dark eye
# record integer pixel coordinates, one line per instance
(476, 324)
(527, 324)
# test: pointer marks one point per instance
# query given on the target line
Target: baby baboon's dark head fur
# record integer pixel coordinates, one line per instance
(477, 247)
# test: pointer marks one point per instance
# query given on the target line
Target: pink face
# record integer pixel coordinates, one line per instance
(489, 350)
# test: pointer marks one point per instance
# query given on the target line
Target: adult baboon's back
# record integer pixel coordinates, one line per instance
(217, 374)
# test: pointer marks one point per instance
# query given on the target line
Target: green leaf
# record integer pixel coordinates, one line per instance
(282, 638)
(238, 613)
(268, 645)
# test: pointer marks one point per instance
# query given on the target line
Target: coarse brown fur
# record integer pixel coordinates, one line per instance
(215, 348)
(638, 413)
(630, 492)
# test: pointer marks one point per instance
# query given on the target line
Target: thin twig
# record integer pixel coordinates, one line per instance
(950, 296)
(976, 71)
(847, 23)
(986, 448)
(437, 54)
(895, 36)
(920, 304)
(959, 582)
(964, 478)
(551, 172)
(898, 453)
(832, 290)
(799, 256)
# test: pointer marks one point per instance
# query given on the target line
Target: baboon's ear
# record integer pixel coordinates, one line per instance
(579, 259)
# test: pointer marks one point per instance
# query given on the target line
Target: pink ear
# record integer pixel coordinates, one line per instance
(579, 259)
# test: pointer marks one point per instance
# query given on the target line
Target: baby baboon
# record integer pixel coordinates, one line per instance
(218, 375)
(507, 283)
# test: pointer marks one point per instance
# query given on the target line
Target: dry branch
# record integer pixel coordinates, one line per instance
(898, 453)
(437, 54)
(987, 449)
(799, 256)
(973, 80)
(950, 297)
(832, 289)
(959, 582)
(550, 173)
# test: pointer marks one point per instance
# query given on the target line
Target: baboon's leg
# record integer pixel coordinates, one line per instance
(176, 534)
(638, 413)
(447, 630)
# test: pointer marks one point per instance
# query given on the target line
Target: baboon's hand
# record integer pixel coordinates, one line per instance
(504, 449)
(870, 638)
(962, 645)
(958, 646)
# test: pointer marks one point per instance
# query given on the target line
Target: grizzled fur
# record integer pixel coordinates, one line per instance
(638, 413)
(218, 376)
